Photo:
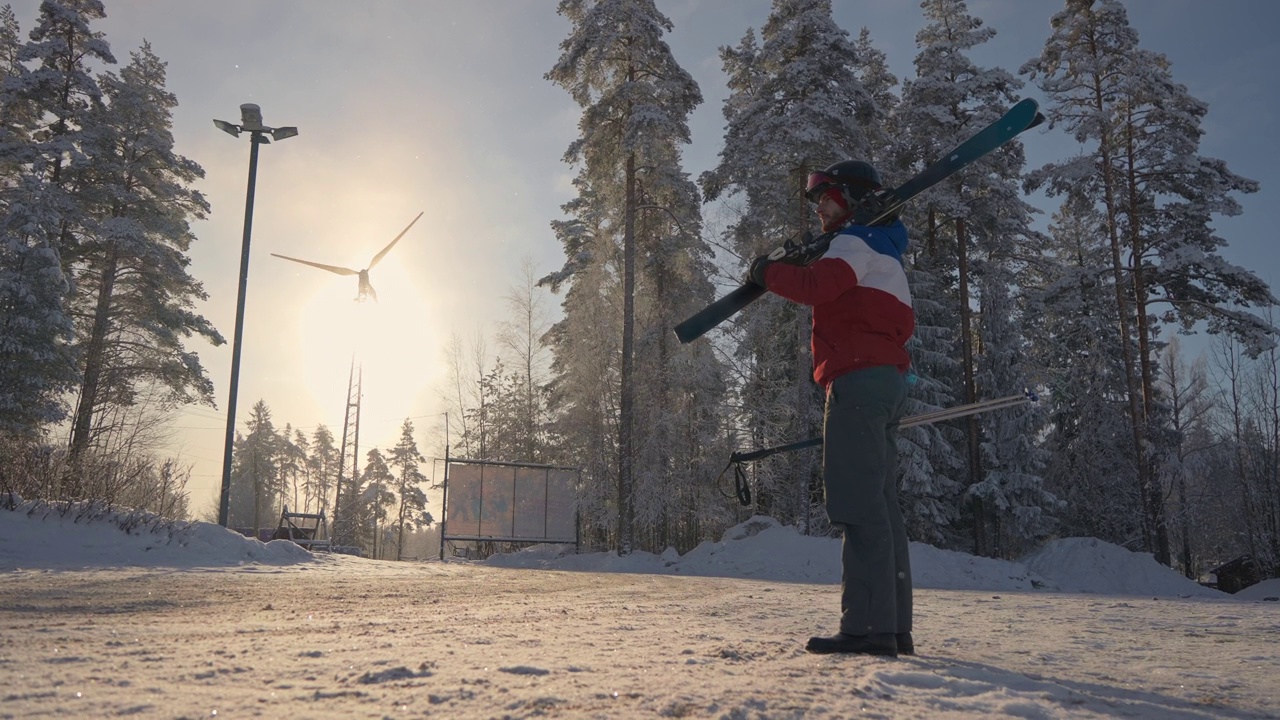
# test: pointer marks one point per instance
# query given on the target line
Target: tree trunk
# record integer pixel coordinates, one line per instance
(981, 544)
(1154, 511)
(82, 428)
(1137, 416)
(626, 400)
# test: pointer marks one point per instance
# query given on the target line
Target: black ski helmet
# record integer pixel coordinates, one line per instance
(855, 177)
(857, 173)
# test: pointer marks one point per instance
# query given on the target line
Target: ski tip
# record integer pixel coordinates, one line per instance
(1037, 120)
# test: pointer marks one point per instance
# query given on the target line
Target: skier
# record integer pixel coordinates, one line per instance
(862, 318)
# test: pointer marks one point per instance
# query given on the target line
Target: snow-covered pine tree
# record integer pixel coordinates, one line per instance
(322, 466)
(929, 463)
(37, 363)
(411, 500)
(1071, 338)
(45, 94)
(795, 104)
(635, 215)
(877, 116)
(254, 472)
(1019, 510)
(970, 226)
(373, 502)
(681, 446)
(303, 497)
(15, 115)
(56, 95)
(134, 297)
(53, 93)
(292, 468)
(10, 42)
(583, 391)
(1158, 195)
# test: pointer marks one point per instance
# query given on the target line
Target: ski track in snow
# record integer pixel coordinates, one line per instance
(261, 631)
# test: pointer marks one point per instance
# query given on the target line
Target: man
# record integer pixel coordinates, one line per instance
(862, 318)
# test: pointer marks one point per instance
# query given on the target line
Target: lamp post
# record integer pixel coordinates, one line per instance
(250, 122)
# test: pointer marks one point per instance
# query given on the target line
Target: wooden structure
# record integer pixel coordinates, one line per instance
(308, 530)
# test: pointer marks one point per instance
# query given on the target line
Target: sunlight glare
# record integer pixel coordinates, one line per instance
(392, 339)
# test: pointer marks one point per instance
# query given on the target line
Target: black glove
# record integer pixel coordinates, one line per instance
(795, 252)
(803, 252)
(755, 271)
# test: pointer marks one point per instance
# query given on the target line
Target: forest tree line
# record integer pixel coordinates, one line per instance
(1131, 442)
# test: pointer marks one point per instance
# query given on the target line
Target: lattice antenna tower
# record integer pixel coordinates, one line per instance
(344, 525)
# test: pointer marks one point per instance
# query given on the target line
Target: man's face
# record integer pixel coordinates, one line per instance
(831, 212)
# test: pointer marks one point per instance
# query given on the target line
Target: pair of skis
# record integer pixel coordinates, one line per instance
(887, 204)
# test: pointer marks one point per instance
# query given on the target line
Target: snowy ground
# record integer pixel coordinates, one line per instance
(194, 621)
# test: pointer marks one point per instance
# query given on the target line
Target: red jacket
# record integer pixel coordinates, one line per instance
(862, 314)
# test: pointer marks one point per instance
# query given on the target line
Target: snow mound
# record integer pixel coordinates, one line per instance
(762, 549)
(1268, 590)
(39, 535)
(1089, 565)
(932, 567)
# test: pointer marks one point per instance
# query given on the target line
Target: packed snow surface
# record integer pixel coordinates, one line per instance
(125, 613)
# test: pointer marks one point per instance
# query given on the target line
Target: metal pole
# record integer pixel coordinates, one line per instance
(444, 493)
(224, 503)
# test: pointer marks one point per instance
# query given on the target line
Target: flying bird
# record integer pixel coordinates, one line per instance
(365, 289)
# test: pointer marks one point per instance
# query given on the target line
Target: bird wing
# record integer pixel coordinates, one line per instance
(387, 249)
(330, 268)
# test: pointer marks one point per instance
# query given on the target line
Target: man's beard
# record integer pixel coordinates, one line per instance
(830, 224)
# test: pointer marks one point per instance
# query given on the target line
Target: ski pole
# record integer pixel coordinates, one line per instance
(959, 411)
(928, 418)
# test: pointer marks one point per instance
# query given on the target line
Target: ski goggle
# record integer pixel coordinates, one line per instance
(819, 183)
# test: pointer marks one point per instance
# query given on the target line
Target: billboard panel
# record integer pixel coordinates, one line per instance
(562, 505)
(510, 501)
(495, 500)
(530, 502)
(463, 499)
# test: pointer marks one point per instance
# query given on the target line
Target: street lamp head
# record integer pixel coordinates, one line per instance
(284, 132)
(226, 127)
(250, 117)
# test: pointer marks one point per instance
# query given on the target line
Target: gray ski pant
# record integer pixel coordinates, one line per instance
(860, 474)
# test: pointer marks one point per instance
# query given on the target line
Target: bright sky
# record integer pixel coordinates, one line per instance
(441, 107)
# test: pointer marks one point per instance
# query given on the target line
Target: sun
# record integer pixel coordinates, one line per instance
(392, 341)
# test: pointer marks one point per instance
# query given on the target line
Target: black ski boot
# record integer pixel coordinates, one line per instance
(878, 644)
